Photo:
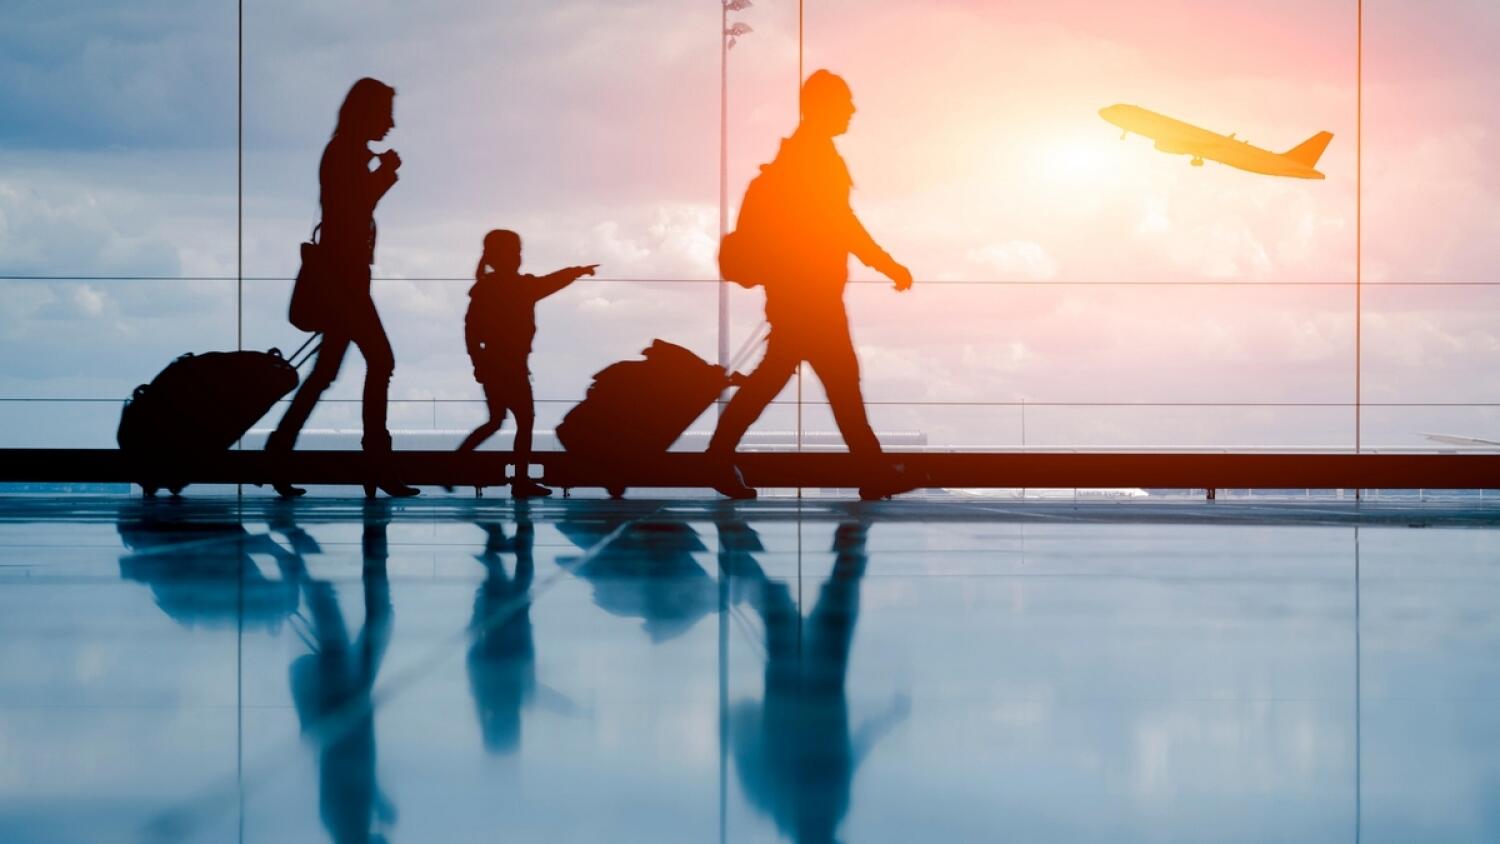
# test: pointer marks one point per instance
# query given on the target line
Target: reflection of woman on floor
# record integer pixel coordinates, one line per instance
(331, 688)
(794, 750)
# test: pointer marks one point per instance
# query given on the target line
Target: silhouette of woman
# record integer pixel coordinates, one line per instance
(349, 192)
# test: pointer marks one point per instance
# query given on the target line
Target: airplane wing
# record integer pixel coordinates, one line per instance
(1455, 439)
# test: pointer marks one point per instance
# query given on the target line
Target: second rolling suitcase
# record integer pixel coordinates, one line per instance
(636, 409)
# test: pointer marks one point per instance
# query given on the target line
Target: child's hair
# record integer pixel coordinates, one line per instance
(495, 243)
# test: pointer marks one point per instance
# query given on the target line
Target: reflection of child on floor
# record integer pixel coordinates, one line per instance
(498, 329)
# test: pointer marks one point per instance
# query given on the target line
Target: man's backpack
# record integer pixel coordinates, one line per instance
(751, 255)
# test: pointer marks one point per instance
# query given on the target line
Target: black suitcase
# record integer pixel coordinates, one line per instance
(200, 405)
(635, 409)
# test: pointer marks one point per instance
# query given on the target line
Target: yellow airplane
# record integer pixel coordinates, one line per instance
(1178, 138)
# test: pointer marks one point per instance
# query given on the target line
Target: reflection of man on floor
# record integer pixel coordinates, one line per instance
(794, 751)
(807, 234)
(332, 687)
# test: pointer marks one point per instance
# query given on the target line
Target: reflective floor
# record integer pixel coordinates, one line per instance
(451, 670)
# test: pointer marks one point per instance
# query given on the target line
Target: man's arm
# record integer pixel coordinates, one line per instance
(546, 285)
(864, 247)
(872, 731)
(862, 244)
(871, 255)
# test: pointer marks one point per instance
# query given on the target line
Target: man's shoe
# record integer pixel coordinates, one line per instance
(528, 489)
(892, 482)
(731, 484)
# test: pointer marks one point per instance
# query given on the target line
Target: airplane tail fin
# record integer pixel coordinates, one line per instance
(1309, 151)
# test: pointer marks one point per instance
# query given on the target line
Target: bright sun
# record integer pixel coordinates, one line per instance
(1074, 162)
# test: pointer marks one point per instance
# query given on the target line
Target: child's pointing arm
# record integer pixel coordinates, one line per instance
(553, 282)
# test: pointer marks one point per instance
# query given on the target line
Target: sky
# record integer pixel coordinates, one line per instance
(592, 128)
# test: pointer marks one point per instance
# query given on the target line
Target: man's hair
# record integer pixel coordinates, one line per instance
(824, 89)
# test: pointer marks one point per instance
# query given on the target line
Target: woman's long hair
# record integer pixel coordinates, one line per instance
(366, 97)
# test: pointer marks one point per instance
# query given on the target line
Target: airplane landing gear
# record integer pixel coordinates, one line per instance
(1196, 162)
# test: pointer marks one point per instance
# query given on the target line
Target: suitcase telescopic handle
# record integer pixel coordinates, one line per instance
(757, 337)
(297, 358)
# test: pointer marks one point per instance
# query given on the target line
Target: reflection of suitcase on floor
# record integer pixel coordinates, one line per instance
(200, 405)
(636, 409)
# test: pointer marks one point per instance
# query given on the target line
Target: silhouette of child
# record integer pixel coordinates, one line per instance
(498, 328)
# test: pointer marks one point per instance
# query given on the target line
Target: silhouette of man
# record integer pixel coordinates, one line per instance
(794, 750)
(349, 191)
(817, 230)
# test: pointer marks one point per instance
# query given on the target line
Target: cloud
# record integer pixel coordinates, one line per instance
(1016, 260)
(71, 231)
(91, 75)
(81, 302)
(613, 249)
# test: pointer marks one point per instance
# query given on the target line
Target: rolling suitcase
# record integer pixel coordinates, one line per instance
(635, 409)
(201, 405)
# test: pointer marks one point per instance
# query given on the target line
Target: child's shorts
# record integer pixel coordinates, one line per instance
(508, 390)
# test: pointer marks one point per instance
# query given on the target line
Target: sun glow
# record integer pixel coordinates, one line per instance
(1075, 161)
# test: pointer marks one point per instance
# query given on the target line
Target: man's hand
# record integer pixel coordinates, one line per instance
(901, 275)
(390, 160)
(580, 272)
